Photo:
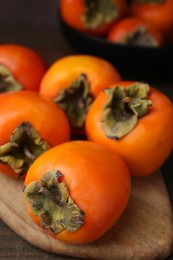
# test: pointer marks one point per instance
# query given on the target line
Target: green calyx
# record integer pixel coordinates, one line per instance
(24, 146)
(140, 37)
(123, 108)
(50, 201)
(7, 81)
(76, 100)
(151, 1)
(99, 12)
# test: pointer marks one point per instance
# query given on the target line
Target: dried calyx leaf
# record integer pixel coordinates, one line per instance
(99, 12)
(50, 201)
(24, 146)
(123, 108)
(140, 37)
(7, 81)
(76, 100)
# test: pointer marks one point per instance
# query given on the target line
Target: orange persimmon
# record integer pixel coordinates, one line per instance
(156, 12)
(21, 68)
(77, 191)
(29, 125)
(134, 31)
(74, 81)
(135, 120)
(94, 17)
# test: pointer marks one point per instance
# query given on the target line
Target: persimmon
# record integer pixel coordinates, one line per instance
(134, 31)
(135, 120)
(21, 68)
(156, 12)
(77, 191)
(29, 125)
(92, 16)
(74, 81)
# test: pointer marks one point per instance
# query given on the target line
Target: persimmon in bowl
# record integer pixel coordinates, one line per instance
(133, 61)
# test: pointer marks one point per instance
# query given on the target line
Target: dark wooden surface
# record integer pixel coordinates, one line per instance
(34, 24)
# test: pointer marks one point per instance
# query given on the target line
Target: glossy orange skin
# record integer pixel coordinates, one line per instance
(129, 25)
(149, 144)
(24, 63)
(158, 14)
(63, 72)
(98, 188)
(44, 115)
(60, 75)
(72, 10)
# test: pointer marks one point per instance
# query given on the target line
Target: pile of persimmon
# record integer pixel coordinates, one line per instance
(147, 23)
(28, 120)
(62, 188)
(95, 17)
(77, 190)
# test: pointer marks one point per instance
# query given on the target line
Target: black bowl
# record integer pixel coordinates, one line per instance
(133, 62)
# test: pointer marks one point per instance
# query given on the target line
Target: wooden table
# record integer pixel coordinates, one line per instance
(51, 44)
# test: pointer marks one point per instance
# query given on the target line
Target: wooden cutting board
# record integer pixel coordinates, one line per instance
(144, 231)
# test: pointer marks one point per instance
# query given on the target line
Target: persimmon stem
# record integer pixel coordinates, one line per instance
(7, 80)
(27, 152)
(49, 199)
(75, 100)
(140, 37)
(24, 146)
(123, 108)
(99, 12)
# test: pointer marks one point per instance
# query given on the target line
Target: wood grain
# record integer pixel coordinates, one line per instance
(144, 231)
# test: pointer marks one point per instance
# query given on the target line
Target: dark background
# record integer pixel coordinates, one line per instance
(35, 24)
(28, 13)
